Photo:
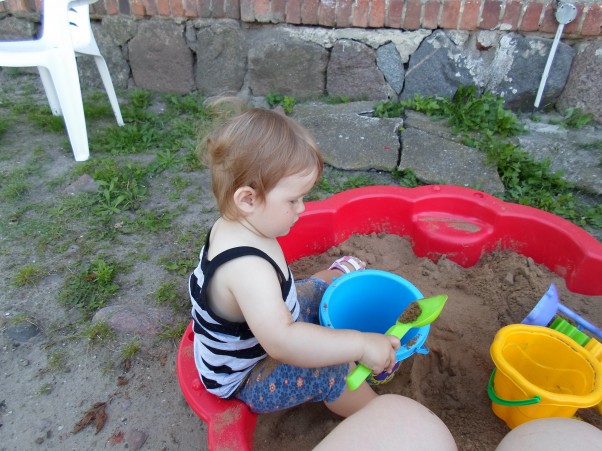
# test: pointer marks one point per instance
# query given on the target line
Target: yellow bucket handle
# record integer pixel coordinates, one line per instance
(505, 402)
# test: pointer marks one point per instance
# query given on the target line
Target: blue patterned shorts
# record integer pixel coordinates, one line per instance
(273, 386)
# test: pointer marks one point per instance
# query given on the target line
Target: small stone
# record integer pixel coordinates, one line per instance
(135, 319)
(39, 440)
(509, 279)
(22, 332)
(135, 438)
(84, 184)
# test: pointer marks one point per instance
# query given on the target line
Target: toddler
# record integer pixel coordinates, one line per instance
(257, 334)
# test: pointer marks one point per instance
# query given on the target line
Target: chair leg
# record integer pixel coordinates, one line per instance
(108, 83)
(66, 82)
(50, 91)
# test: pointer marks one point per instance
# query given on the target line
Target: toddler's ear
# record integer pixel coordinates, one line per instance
(245, 199)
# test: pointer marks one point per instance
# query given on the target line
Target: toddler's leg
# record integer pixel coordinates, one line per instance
(273, 386)
(309, 294)
(352, 401)
(311, 290)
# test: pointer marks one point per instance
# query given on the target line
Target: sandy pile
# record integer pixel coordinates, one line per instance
(452, 378)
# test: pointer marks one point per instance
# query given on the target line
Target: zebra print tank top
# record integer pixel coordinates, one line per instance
(226, 351)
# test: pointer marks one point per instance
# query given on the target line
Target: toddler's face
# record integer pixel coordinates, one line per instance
(284, 204)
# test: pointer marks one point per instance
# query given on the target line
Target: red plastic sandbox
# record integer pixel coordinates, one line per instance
(460, 223)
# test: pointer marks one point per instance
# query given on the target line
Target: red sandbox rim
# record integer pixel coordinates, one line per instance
(458, 222)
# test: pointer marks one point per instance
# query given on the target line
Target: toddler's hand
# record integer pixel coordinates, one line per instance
(379, 352)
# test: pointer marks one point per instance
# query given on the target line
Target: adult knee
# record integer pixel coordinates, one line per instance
(391, 422)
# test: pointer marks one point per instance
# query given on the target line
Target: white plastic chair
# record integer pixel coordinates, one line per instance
(66, 32)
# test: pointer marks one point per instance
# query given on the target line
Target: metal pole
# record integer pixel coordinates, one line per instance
(565, 13)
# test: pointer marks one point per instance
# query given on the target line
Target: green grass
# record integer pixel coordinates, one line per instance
(15, 185)
(173, 333)
(43, 119)
(44, 389)
(81, 233)
(4, 127)
(57, 361)
(406, 178)
(336, 181)
(168, 293)
(169, 134)
(96, 106)
(91, 287)
(596, 145)
(175, 262)
(30, 274)
(286, 102)
(98, 332)
(150, 221)
(130, 349)
(19, 319)
(575, 118)
(335, 100)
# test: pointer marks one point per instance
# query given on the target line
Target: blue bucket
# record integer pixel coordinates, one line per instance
(371, 301)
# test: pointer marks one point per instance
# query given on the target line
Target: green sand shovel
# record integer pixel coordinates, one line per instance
(430, 308)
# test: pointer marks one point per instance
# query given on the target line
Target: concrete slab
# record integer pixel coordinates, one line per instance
(576, 153)
(350, 138)
(438, 160)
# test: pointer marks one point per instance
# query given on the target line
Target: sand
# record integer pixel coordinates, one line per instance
(451, 380)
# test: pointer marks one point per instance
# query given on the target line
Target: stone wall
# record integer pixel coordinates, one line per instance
(228, 56)
(506, 15)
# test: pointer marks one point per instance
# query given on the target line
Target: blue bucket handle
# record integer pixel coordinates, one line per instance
(506, 402)
(422, 350)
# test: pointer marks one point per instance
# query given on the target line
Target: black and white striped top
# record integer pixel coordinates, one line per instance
(225, 351)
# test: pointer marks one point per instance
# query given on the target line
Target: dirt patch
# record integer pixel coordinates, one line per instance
(451, 380)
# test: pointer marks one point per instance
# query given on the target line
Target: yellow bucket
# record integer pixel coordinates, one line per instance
(595, 348)
(541, 373)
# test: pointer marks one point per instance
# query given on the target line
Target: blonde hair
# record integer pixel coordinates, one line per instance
(257, 148)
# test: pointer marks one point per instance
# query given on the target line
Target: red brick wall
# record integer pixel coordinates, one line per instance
(508, 15)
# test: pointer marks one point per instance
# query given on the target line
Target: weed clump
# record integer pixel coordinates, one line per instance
(90, 289)
(484, 124)
(286, 102)
(29, 274)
